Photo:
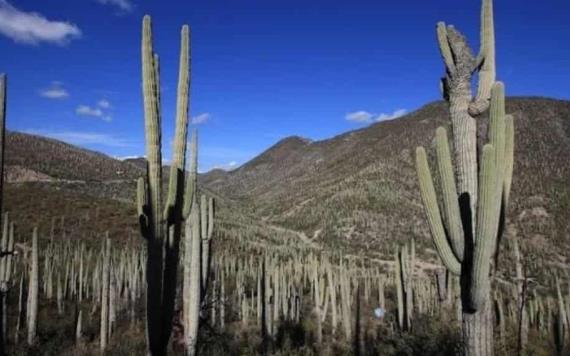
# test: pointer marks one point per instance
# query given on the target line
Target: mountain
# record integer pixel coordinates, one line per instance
(358, 190)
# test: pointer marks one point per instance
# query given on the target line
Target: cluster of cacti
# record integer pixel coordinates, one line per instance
(475, 198)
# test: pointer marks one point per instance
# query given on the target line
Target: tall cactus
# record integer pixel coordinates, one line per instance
(33, 290)
(467, 232)
(161, 224)
(405, 262)
(105, 300)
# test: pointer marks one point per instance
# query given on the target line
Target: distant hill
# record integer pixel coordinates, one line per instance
(36, 155)
(360, 188)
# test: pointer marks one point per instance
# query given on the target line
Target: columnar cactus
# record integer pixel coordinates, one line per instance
(474, 209)
(161, 224)
(405, 262)
(6, 260)
(206, 231)
(33, 290)
(106, 271)
(521, 291)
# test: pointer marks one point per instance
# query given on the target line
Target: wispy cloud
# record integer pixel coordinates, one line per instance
(359, 116)
(104, 103)
(202, 118)
(83, 138)
(123, 5)
(367, 117)
(33, 28)
(390, 116)
(97, 111)
(55, 91)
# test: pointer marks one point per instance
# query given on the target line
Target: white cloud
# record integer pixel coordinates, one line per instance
(82, 138)
(55, 91)
(367, 117)
(86, 110)
(390, 116)
(104, 103)
(359, 116)
(202, 118)
(124, 5)
(33, 28)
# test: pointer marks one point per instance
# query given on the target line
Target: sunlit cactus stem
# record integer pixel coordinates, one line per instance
(106, 275)
(33, 290)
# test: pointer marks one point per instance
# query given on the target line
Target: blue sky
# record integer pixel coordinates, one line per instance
(261, 70)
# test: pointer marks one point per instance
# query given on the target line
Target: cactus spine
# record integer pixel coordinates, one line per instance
(161, 225)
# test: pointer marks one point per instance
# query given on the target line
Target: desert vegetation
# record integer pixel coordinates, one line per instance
(109, 257)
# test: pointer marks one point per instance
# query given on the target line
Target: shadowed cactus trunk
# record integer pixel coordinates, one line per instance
(475, 194)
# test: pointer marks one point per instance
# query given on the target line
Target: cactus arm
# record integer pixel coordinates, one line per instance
(210, 218)
(449, 190)
(152, 129)
(487, 226)
(205, 258)
(444, 47)
(497, 127)
(176, 180)
(509, 157)
(485, 61)
(433, 214)
(192, 176)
